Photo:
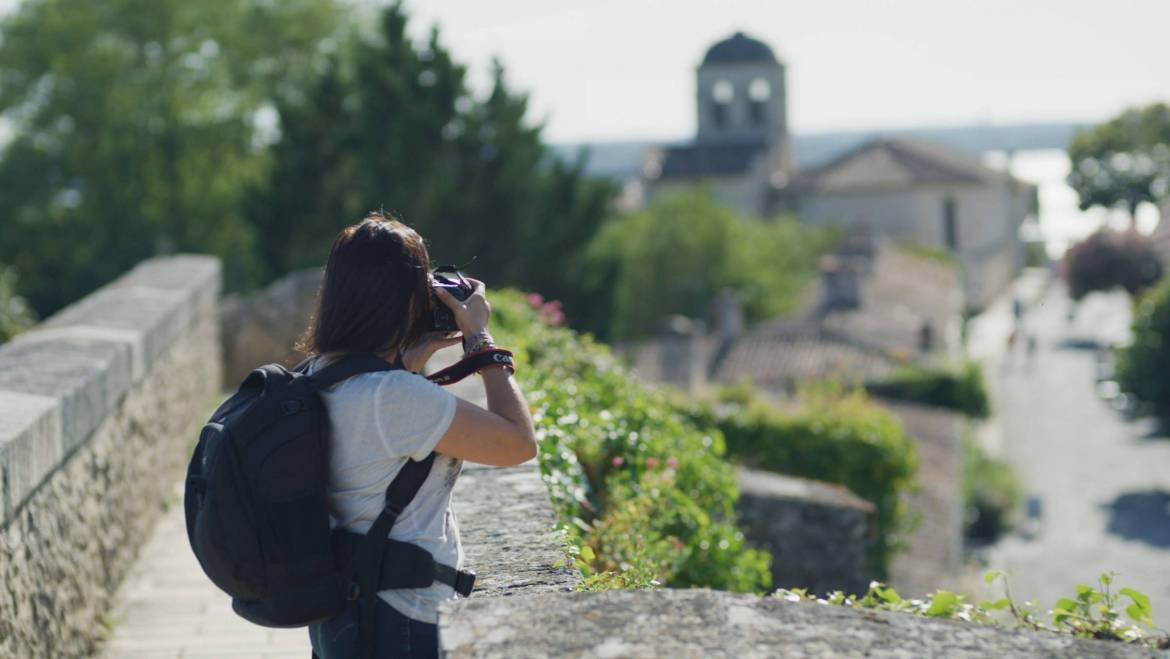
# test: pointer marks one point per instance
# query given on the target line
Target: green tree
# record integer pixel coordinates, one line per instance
(135, 128)
(1124, 161)
(1144, 367)
(15, 314)
(675, 255)
(389, 122)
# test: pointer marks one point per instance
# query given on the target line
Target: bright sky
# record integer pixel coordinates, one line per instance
(617, 69)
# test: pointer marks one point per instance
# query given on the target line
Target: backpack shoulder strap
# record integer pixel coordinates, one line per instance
(368, 561)
(347, 367)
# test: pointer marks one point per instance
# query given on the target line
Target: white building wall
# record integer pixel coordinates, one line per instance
(987, 217)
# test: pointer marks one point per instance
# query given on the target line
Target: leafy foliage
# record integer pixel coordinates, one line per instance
(387, 121)
(643, 491)
(1124, 161)
(675, 255)
(1143, 368)
(1092, 614)
(1109, 259)
(832, 435)
(960, 389)
(991, 493)
(134, 127)
(15, 314)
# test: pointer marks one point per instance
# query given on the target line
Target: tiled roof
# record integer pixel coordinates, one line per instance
(698, 160)
(902, 291)
(800, 352)
(739, 48)
(885, 164)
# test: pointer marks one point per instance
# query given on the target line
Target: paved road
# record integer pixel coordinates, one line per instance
(1102, 482)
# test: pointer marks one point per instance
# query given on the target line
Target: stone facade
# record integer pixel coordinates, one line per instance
(99, 407)
(817, 533)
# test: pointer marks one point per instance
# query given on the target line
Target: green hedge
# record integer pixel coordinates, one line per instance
(832, 435)
(992, 493)
(960, 389)
(643, 492)
(1143, 368)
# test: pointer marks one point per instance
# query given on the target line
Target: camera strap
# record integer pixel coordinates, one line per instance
(473, 363)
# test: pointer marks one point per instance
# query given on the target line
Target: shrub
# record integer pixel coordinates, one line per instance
(15, 313)
(674, 256)
(959, 389)
(991, 493)
(834, 436)
(1143, 367)
(1110, 259)
(642, 491)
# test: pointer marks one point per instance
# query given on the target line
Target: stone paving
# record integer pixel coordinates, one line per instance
(1100, 483)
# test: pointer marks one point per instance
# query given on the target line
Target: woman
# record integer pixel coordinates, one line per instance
(375, 297)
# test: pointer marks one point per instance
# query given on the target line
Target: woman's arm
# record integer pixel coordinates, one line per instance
(501, 435)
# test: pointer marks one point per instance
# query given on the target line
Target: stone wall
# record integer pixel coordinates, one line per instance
(704, 624)
(817, 533)
(99, 408)
(263, 326)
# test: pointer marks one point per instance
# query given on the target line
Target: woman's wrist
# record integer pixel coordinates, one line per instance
(477, 341)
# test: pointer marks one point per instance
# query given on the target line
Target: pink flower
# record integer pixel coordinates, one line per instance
(651, 463)
(672, 462)
(618, 461)
(554, 318)
(535, 300)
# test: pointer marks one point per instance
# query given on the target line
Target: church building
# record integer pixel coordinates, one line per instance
(902, 190)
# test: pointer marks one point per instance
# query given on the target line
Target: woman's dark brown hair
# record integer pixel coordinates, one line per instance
(375, 294)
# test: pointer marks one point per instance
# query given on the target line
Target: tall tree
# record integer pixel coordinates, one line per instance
(134, 127)
(391, 123)
(1124, 161)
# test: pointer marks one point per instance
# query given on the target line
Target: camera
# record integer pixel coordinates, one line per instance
(449, 278)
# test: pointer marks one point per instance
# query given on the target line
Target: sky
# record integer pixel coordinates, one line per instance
(624, 69)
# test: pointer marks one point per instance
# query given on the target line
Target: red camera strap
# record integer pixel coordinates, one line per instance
(473, 363)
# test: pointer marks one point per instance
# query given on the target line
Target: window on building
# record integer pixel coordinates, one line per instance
(759, 92)
(950, 217)
(722, 95)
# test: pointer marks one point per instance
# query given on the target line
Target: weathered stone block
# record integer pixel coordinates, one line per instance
(262, 327)
(87, 375)
(705, 623)
(816, 532)
(30, 445)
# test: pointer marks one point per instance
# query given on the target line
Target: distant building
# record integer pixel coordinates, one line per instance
(742, 150)
(905, 190)
(921, 193)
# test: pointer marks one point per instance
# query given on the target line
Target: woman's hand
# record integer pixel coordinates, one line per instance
(472, 314)
(416, 356)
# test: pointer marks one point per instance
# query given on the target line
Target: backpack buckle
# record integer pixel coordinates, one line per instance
(464, 582)
(354, 591)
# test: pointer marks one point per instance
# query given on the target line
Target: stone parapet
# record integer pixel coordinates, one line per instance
(816, 532)
(99, 406)
(707, 624)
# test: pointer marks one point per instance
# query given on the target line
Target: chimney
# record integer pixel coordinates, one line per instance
(727, 315)
(840, 284)
(682, 358)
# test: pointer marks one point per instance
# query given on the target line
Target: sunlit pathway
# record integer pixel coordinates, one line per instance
(1102, 482)
(167, 607)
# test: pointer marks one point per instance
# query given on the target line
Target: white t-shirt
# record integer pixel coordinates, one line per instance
(378, 421)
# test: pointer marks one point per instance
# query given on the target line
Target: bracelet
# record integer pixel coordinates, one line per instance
(477, 342)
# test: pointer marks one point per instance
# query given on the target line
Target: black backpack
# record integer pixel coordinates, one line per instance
(257, 516)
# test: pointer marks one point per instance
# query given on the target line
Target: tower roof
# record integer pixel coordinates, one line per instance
(739, 48)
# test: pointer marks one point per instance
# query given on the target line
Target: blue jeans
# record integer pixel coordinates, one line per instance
(396, 636)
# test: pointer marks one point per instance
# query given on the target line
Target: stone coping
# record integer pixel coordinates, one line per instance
(707, 623)
(60, 379)
(783, 486)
